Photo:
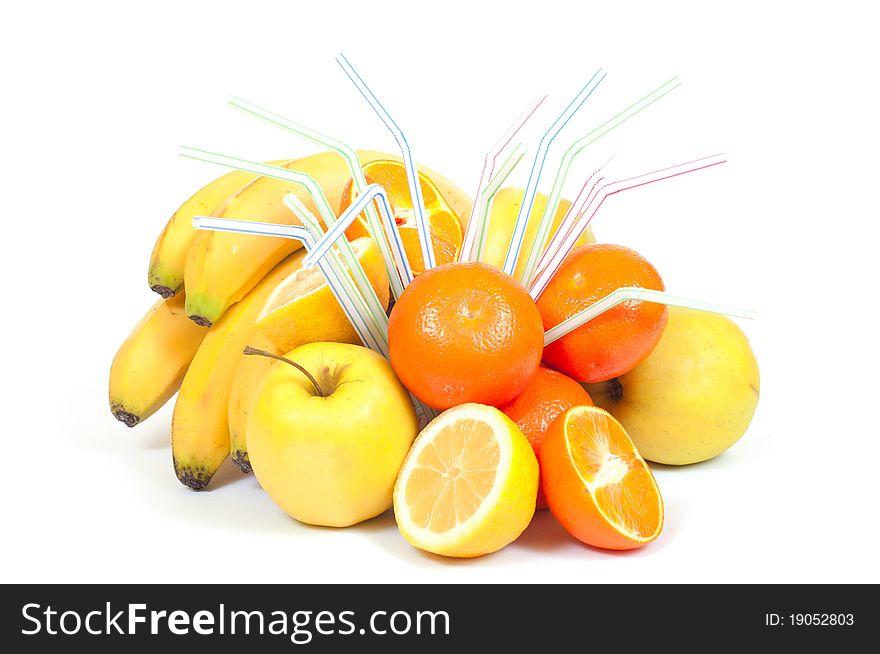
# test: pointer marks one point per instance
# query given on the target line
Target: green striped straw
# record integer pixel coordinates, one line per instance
(489, 193)
(366, 302)
(627, 293)
(568, 159)
(349, 155)
(314, 227)
(318, 197)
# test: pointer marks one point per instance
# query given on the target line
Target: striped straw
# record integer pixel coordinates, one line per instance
(627, 293)
(349, 155)
(412, 173)
(488, 196)
(525, 209)
(366, 301)
(553, 258)
(315, 192)
(401, 275)
(576, 209)
(475, 222)
(425, 412)
(568, 158)
(330, 273)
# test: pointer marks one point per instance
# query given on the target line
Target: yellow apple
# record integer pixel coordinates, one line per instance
(327, 446)
(695, 394)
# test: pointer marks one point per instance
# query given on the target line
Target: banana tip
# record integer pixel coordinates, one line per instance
(164, 291)
(125, 417)
(240, 458)
(195, 479)
(201, 320)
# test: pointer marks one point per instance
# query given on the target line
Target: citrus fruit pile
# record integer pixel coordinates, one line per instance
(271, 374)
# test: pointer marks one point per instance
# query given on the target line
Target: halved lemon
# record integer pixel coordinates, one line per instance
(468, 485)
(445, 225)
(596, 483)
(303, 309)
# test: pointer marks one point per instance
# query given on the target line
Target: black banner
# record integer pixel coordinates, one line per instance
(321, 618)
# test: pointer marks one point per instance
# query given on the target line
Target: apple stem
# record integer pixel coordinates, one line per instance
(248, 350)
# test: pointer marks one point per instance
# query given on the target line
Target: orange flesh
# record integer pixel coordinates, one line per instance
(620, 482)
(446, 232)
(453, 475)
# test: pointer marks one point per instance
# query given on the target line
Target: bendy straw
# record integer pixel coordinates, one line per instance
(401, 274)
(628, 293)
(424, 412)
(488, 196)
(568, 158)
(412, 173)
(299, 233)
(576, 208)
(556, 252)
(525, 209)
(295, 177)
(364, 298)
(475, 225)
(349, 155)
(267, 170)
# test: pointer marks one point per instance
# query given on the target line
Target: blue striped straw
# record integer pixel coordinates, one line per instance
(299, 233)
(412, 173)
(402, 276)
(525, 209)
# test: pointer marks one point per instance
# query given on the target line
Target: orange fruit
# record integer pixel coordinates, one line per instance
(548, 394)
(465, 332)
(596, 483)
(619, 339)
(445, 225)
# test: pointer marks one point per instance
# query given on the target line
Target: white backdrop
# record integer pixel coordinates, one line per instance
(98, 96)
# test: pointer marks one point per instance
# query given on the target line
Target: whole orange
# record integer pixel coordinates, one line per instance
(548, 394)
(618, 340)
(465, 332)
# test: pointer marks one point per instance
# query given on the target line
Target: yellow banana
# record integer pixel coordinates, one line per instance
(167, 262)
(200, 427)
(222, 267)
(150, 365)
(248, 375)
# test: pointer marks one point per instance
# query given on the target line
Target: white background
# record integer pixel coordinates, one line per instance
(98, 96)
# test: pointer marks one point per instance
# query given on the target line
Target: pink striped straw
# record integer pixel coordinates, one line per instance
(468, 246)
(556, 253)
(575, 210)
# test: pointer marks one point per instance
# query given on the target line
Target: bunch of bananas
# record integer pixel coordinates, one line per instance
(214, 286)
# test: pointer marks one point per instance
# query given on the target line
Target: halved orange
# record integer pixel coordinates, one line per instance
(596, 483)
(445, 225)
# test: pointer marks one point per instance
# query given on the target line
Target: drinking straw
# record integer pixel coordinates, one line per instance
(367, 301)
(351, 301)
(299, 233)
(401, 275)
(568, 158)
(556, 252)
(425, 412)
(488, 196)
(627, 293)
(525, 209)
(577, 206)
(314, 190)
(412, 173)
(349, 155)
(475, 226)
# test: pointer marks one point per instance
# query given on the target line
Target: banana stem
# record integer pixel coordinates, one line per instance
(248, 350)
